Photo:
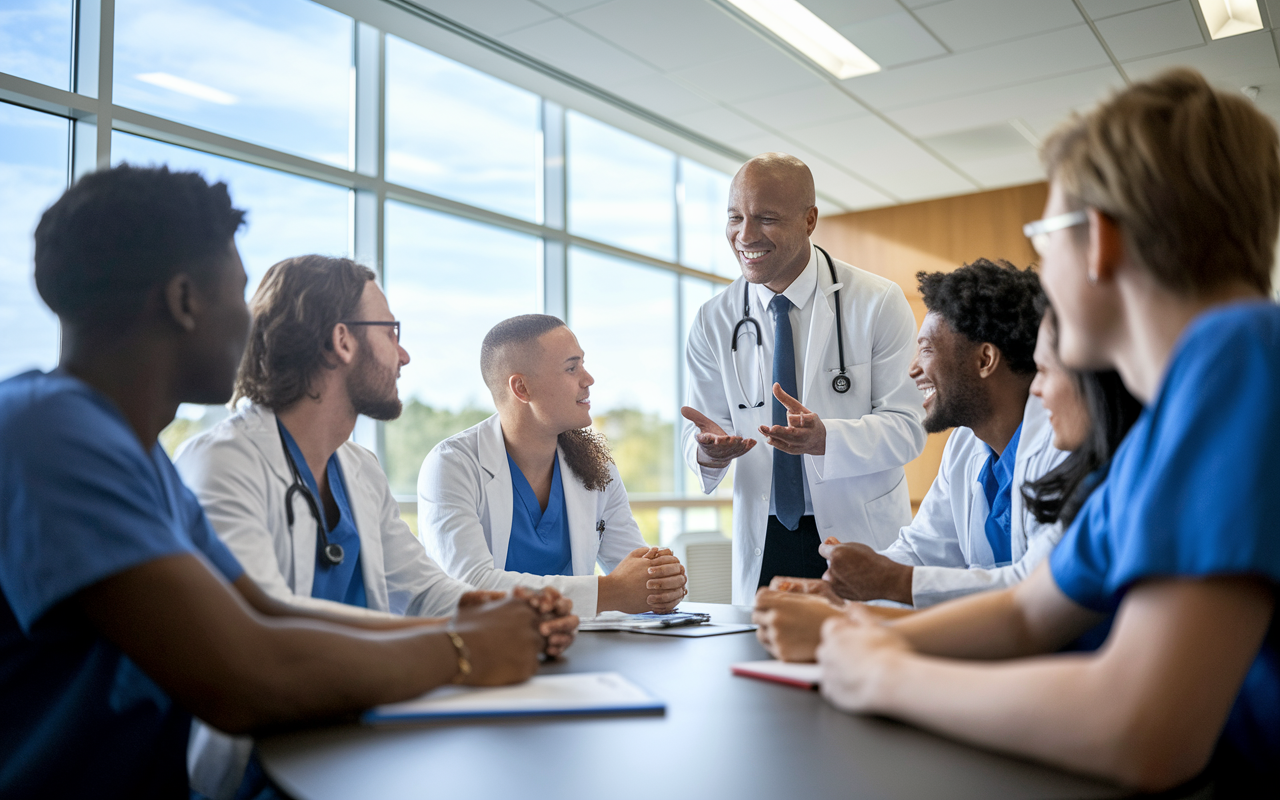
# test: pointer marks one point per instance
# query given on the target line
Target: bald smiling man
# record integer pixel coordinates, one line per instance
(820, 436)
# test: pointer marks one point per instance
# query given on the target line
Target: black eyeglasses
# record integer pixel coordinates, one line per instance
(395, 326)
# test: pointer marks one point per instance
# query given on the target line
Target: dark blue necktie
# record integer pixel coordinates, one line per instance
(788, 472)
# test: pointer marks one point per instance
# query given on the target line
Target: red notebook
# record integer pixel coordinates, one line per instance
(804, 676)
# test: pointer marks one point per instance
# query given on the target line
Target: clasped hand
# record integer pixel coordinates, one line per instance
(557, 624)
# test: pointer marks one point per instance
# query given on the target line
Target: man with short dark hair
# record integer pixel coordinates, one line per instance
(974, 364)
(531, 496)
(121, 613)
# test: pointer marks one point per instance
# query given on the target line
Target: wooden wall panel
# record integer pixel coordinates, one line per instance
(936, 235)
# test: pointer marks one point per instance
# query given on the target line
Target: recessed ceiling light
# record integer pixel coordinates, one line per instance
(1231, 17)
(803, 30)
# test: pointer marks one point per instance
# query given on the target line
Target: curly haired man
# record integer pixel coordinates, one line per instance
(529, 496)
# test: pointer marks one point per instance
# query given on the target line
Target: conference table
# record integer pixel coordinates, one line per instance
(721, 736)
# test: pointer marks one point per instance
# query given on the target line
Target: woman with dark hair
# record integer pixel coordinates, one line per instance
(1090, 413)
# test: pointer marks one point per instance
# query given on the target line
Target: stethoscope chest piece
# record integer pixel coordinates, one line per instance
(841, 383)
(333, 554)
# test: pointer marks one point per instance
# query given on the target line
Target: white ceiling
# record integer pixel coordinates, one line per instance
(966, 90)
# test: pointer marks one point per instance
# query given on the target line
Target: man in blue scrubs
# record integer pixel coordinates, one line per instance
(122, 613)
(531, 495)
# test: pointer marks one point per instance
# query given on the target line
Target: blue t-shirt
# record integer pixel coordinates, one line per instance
(1194, 490)
(539, 543)
(341, 583)
(83, 501)
(997, 484)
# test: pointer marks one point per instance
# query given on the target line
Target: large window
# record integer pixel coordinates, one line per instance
(449, 281)
(705, 198)
(624, 317)
(622, 189)
(460, 134)
(33, 172)
(272, 72)
(470, 219)
(35, 40)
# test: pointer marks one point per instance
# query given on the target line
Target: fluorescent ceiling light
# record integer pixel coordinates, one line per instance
(1231, 17)
(190, 88)
(803, 30)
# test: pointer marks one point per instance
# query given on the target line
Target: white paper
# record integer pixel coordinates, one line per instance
(582, 692)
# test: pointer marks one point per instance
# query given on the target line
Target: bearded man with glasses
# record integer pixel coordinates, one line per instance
(308, 512)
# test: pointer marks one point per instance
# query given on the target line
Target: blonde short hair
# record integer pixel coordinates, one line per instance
(1190, 174)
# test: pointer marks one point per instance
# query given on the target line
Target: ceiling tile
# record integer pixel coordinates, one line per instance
(658, 94)
(969, 24)
(1100, 9)
(495, 17)
(1158, 29)
(1052, 98)
(758, 72)
(1236, 61)
(569, 6)
(979, 144)
(873, 149)
(577, 52)
(837, 13)
(670, 34)
(1021, 61)
(823, 103)
(893, 39)
(1007, 170)
(719, 123)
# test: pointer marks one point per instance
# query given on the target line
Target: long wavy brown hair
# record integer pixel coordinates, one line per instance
(294, 310)
(587, 454)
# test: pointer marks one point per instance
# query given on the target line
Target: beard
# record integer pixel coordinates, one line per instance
(372, 390)
(961, 406)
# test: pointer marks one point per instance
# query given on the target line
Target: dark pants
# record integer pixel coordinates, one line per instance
(791, 554)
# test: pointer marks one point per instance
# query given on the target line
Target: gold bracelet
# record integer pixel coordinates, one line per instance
(464, 657)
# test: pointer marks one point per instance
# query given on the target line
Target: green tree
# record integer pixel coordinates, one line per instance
(420, 428)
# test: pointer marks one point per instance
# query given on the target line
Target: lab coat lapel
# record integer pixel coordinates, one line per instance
(260, 429)
(365, 511)
(497, 492)
(580, 509)
(819, 332)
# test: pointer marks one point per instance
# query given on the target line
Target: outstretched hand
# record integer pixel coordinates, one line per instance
(716, 449)
(804, 433)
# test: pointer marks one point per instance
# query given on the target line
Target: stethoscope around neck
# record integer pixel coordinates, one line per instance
(840, 383)
(330, 552)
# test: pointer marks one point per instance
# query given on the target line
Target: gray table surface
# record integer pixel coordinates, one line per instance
(722, 736)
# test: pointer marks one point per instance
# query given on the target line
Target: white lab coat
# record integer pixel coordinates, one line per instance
(947, 541)
(464, 513)
(239, 473)
(858, 487)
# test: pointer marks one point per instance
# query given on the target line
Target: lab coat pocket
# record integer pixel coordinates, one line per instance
(887, 514)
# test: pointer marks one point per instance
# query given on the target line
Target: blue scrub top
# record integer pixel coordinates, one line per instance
(997, 484)
(539, 543)
(83, 501)
(1194, 491)
(341, 583)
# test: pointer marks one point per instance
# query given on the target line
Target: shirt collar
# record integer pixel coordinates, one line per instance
(801, 290)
